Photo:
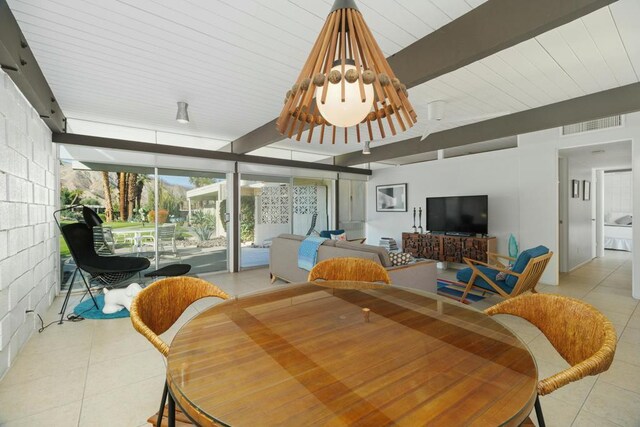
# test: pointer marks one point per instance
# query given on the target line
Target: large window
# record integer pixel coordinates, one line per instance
(176, 217)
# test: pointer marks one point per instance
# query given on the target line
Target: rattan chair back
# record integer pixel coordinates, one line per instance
(582, 335)
(360, 269)
(160, 304)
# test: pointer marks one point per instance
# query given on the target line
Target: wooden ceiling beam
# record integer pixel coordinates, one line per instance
(17, 60)
(174, 150)
(620, 100)
(491, 27)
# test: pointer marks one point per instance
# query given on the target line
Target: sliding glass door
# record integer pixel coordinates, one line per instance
(265, 212)
(191, 220)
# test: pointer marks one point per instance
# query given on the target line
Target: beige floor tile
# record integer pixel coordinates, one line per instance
(587, 419)
(631, 335)
(57, 337)
(41, 394)
(556, 412)
(114, 373)
(624, 375)
(128, 405)
(113, 346)
(30, 367)
(628, 352)
(614, 403)
(62, 416)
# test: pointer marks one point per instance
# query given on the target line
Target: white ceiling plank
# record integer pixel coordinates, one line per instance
(453, 8)
(479, 76)
(556, 46)
(426, 12)
(535, 62)
(625, 16)
(602, 28)
(582, 44)
(512, 76)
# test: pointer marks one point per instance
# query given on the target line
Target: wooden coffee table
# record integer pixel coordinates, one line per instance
(306, 355)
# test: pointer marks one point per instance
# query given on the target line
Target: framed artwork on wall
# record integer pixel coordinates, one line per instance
(586, 190)
(391, 198)
(575, 188)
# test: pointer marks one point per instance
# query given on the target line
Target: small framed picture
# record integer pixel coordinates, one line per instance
(575, 188)
(586, 190)
(391, 198)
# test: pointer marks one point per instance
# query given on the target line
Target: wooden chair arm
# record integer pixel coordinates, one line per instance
(496, 255)
(470, 262)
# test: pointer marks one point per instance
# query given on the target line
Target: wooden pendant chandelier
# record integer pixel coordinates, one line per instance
(352, 82)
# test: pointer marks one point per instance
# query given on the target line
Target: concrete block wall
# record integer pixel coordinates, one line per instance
(29, 260)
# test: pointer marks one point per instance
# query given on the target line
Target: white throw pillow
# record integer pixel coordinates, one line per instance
(341, 236)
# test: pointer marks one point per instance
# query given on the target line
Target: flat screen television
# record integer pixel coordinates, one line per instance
(463, 215)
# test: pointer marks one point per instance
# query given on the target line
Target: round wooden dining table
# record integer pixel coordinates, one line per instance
(349, 353)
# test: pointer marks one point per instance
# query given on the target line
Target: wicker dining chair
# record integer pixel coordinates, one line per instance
(582, 335)
(360, 269)
(158, 306)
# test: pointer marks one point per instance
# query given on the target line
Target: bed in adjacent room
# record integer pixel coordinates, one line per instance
(618, 234)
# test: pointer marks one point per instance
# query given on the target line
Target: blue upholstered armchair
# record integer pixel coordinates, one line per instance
(498, 278)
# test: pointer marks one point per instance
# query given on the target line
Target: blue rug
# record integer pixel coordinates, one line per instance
(453, 290)
(88, 310)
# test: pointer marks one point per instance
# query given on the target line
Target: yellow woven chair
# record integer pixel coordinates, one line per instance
(582, 335)
(158, 306)
(359, 269)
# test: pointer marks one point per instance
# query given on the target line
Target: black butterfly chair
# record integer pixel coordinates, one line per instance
(108, 270)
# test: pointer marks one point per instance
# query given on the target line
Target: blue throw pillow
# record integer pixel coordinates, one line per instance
(522, 261)
(327, 233)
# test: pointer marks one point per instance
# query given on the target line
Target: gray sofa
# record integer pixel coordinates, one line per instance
(283, 262)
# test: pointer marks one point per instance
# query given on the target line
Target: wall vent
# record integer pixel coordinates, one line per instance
(603, 123)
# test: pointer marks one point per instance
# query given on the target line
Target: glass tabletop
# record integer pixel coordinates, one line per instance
(346, 353)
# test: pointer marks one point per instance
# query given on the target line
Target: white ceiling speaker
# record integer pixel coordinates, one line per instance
(437, 115)
(183, 114)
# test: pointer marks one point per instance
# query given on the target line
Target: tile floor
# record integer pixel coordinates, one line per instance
(103, 373)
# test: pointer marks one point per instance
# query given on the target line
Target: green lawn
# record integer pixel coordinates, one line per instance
(64, 249)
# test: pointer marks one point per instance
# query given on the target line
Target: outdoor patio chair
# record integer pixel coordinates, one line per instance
(103, 240)
(165, 240)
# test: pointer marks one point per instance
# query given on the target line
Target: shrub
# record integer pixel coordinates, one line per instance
(204, 225)
(163, 215)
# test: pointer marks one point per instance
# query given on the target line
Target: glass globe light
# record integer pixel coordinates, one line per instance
(350, 112)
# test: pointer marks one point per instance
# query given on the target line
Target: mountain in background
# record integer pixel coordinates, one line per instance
(90, 182)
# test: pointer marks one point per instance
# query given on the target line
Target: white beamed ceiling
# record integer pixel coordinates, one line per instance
(129, 61)
(597, 52)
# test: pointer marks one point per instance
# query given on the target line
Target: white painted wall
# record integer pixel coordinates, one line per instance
(29, 257)
(496, 174)
(522, 185)
(618, 195)
(579, 225)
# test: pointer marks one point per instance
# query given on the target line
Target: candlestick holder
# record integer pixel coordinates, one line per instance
(414, 229)
(420, 229)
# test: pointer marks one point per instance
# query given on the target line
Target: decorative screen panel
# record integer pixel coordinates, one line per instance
(274, 205)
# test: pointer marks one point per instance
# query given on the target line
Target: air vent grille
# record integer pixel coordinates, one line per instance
(603, 123)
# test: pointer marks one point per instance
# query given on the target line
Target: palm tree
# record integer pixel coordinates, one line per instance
(122, 194)
(107, 197)
(131, 194)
